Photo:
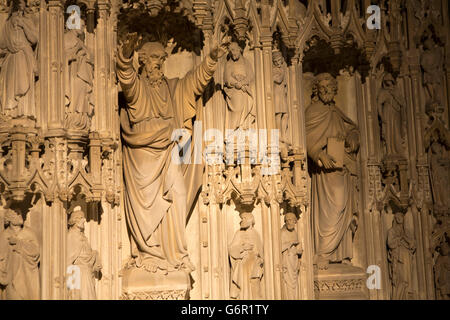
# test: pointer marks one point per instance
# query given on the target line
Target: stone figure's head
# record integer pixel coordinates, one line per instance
(444, 249)
(326, 87)
(77, 218)
(247, 220)
(152, 56)
(235, 51)
(13, 218)
(277, 59)
(290, 219)
(388, 81)
(428, 44)
(399, 218)
(18, 6)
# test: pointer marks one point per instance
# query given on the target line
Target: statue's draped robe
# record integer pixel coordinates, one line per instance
(246, 269)
(80, 254)
(18, 68)
(240, 107)
(400, 261)
(79, 82)
(290, 263)
(19, 271)
(158, 192)
(391, 114)
(332, 190)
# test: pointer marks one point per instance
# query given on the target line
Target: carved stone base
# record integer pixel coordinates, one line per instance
(340, 282)
(139, 284)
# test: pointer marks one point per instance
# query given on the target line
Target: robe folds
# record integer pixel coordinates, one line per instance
(158, 191)
(19, 265)
(333, 198)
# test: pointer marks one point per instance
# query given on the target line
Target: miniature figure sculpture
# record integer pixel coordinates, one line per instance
(439, 170)
(157, 193)
(19, 34)
(79, 82)
(247, 258)
(280, 95)
(401, 247)
(431, 61)
(442, 273)
(81, 255)
(19, 260)
(332, 143)
(291, 251)
(238, 77)
(390, 105)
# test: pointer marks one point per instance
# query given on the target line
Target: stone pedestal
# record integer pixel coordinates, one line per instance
(140, 284)
(340, 282)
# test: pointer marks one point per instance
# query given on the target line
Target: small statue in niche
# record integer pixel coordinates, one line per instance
(332, 144)
(431, 61)
(442, 272)
(279, 69)
(19, 259)
(247, 258)
(439, 168)
(80, 254)
(238, 77)
(390, 107)
(19, 67)
(79, 81)
(291, 250)
(401, 248)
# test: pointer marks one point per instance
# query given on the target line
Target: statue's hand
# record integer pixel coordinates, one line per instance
(328, 162)
(218, 51)
(130, 44)
(352, 141)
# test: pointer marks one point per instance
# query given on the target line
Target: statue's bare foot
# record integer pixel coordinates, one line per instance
(187, 265)
(347, 261)
(322, 264)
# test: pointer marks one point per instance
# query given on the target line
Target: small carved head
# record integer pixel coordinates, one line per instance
(388, 81)
(77, 218)
(277, 58)
(247, 220)
(326, 87)
(13, 218)
(399, 218)
(18, 5)
(235, 51)
(290, 219)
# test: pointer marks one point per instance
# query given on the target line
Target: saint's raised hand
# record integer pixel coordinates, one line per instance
(218, 51)
(130, 44)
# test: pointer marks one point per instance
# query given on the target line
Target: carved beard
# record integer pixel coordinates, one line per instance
(327, 98)
(154, 75)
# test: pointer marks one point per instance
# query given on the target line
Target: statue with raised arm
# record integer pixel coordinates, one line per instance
(279, 74)
(19, 67)
(332, 144)
(159, 191)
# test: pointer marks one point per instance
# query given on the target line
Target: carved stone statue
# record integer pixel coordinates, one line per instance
(238, 77)
(19, 260)
(432, 61)
(158, 191)
(291, 250)
(442, 273)
(390, 105)
(79, 82)
(17, 75)
(332, 143)
(401, 247)
(279, 69)
(81, 255)
(247, 258)
(439, 167)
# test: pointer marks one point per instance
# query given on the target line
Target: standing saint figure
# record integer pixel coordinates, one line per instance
(247, 259)
(442, 272)
(291, 250)
(158, 191)
(332, 143)
(279, 69)
(238, 77)
(19, 260)
(81, 255)
(390, 107)
(431, 62)
(17, 75)
(79, 81)
(401, 247)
